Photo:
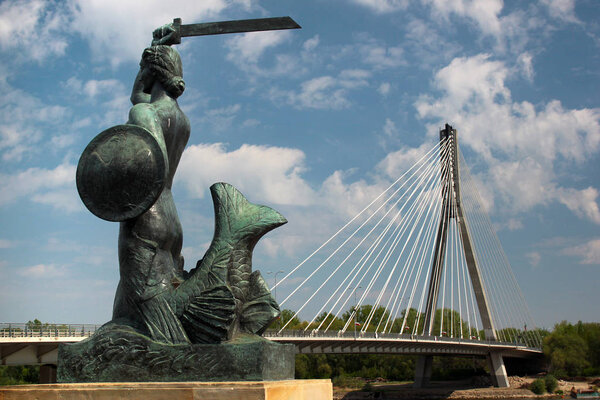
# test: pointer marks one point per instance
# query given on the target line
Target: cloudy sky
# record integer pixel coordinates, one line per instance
(313, 122)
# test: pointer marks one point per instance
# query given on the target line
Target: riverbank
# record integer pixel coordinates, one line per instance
(458, 390)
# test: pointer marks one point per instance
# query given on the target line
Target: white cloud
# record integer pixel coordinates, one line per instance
(251, 122)
(23, 120)
(7, 244)
(519, 142)
(511, 31)
(383, 6)
(584, 203)
(34, 27)
(247, 52)
(62, 141)
(83, 254)
(398, 162)
(94, 88)
(380, 56)
(525, 64)
(390, 128)
(325, 92)
(41, 271)
(311, 43)
(221, 118)
(588, 252)
(513, 224)
(268, 174)
(483, 12)
(426, 44)
(373, 52)
(384, 88)
(55, 187)
(348, 199)
(561, 9)
(249, 47)
(534, 258)
(114, 35)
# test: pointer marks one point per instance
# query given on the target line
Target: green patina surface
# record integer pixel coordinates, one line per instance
(119, 354)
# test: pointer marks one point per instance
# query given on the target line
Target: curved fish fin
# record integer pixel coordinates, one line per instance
(261, 308)
(208, 317)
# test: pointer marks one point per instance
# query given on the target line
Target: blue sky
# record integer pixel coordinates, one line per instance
(313, 122)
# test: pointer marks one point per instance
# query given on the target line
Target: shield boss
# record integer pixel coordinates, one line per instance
(121, 173)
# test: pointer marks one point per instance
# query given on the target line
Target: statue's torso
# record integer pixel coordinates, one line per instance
(150, 258)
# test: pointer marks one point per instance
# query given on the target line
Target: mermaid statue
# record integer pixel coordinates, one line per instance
(163, 315)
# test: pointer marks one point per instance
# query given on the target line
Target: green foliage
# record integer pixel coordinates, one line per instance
(414, 322)
(38, 326)
(327, 321)
(367, 366)
(551, 383)
(538, 386)
(572, 349)
(285, 316)
(363, 316)
(350, 382)
(451, 368)
(19, 375)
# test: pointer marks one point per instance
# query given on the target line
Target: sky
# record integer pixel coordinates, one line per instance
(314, 123)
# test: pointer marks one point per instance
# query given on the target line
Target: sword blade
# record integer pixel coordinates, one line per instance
(242, 25)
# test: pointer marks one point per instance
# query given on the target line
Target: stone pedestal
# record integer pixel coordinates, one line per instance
(268, 390)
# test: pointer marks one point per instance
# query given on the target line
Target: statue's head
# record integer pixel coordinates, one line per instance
(164, 64)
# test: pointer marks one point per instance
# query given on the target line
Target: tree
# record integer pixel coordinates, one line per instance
(285, 316)
(328, 321)
(363, 316)
(18, 375)
(566, 350)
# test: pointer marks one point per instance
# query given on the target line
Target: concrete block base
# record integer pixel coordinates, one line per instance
(314, 389)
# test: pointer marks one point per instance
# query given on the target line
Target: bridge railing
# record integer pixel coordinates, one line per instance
(17, 330)
(22, 330)
(374, 335)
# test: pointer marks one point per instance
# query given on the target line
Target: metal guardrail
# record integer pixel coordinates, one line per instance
(374, 335)
(17, 330)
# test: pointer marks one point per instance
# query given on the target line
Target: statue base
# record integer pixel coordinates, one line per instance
(317, 389)
(119, 354)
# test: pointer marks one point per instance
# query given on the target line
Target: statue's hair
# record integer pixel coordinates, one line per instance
(165, 64)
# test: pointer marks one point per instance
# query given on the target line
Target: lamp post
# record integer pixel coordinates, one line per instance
(355, 309)
(275, 287)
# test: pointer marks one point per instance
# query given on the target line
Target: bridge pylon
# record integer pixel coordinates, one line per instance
(452, 209)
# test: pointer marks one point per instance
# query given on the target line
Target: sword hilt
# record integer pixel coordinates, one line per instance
(177, 34)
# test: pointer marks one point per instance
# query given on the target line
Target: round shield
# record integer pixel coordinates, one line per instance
(121, 173)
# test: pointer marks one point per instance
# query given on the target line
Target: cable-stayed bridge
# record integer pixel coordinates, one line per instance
(422, 261)
(420, 270)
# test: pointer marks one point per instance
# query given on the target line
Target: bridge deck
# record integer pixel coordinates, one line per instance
(35, 347)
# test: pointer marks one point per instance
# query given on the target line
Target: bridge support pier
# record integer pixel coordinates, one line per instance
(423, 371)
(498, 370)
(48, 373)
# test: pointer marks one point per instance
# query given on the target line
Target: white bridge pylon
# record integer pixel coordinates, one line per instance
(422, 259)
